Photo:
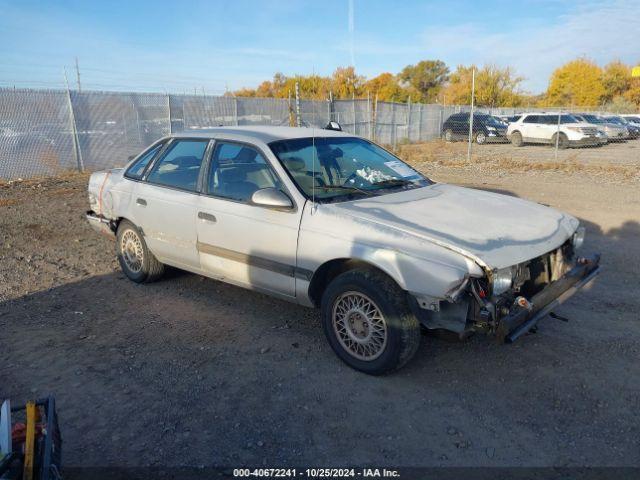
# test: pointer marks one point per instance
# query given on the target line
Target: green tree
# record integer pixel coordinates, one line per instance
(425, 78)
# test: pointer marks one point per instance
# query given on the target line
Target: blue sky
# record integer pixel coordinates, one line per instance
(178, 46)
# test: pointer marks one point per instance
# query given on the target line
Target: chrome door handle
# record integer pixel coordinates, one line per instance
(142, 202)
(207, 217)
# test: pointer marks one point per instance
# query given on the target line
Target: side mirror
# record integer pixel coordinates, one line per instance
(271, 198)
(333, 125)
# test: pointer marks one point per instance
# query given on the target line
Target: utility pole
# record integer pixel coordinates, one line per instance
(78, 76)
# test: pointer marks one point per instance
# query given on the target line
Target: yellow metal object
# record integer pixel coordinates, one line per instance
(635, 71)
(30, 442)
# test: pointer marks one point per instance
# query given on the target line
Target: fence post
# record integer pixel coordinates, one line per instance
(355, 120)
(369, 116)
(169, 113)
(74, 128)
(394, 131)
(375, 118)
(473, 92)
(235, 110)
(420, 123)
(409, 118)
(298, 122)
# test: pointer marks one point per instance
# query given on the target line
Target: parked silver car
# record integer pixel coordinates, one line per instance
(330, 220)
(614, 131)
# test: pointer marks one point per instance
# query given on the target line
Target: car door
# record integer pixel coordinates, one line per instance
(548, 126)
(462, 126)
(165, 203)
(530, 128)
(242, 243)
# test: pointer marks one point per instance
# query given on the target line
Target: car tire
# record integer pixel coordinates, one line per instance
(135, 258)
(563, 141)
(368, 322)
(516, 139)
(480, 138)
(448, 135)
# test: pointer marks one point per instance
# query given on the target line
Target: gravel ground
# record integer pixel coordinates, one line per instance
(189, 371)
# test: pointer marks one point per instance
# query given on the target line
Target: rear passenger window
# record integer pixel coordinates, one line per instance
(237, 171)
(137, 169)
(531, 119)
(180, 166)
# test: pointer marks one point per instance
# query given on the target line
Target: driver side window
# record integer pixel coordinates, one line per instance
(237, 171)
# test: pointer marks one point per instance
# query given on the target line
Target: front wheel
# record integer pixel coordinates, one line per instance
(135, 258)
(562, 141)
(481, 138)
(448, 135)
(368, 323)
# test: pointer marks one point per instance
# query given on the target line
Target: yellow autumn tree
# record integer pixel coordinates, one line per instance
(386, 88)
(495, 87)
(345, 83)
(616, 79)
(578, 83)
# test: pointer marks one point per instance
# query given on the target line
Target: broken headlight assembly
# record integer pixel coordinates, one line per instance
(578, 238)
(502, 279)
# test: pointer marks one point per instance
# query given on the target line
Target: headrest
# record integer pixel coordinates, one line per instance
(295, 164)
(246, 155)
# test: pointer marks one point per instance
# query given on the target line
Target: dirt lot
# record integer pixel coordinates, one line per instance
(189, 371)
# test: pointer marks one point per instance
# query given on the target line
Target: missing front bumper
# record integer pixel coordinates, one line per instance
(523, 319)
(100, 224)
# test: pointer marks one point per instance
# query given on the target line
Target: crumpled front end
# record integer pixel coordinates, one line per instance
(509, 302)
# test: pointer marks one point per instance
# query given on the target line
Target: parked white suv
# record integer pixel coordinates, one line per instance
(330, 220)
(552, 128)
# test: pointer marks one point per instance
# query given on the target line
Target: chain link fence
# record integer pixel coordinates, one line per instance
(44, 132)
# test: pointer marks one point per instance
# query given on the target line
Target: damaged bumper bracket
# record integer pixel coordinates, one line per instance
(100, 224)
(518, 323)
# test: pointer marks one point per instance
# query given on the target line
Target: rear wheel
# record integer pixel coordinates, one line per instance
(516, 139)
(562, 140)
(368, 323)
(135, 258)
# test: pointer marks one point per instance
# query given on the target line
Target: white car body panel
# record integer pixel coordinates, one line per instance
(430, 240)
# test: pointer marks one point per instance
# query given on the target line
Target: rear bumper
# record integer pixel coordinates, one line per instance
(100, 224)
(522, 319)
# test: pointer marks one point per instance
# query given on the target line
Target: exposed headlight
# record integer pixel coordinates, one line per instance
(578, 238)
(491, 129)
(502, 280)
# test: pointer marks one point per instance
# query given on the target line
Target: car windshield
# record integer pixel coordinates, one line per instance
(566, 119)
(592, 119)
(617, 120)
(493, 121)
(343, 168)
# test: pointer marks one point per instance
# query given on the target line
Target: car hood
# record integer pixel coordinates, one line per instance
(494, 230)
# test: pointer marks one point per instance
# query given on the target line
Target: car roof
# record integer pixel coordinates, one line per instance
(264, 134)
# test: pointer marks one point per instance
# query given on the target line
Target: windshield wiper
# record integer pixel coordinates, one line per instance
(393, 182)
(344, 187)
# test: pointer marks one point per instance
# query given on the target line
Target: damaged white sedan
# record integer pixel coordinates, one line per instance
(330, 220)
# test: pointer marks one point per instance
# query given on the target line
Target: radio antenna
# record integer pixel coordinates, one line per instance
(313, 153)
